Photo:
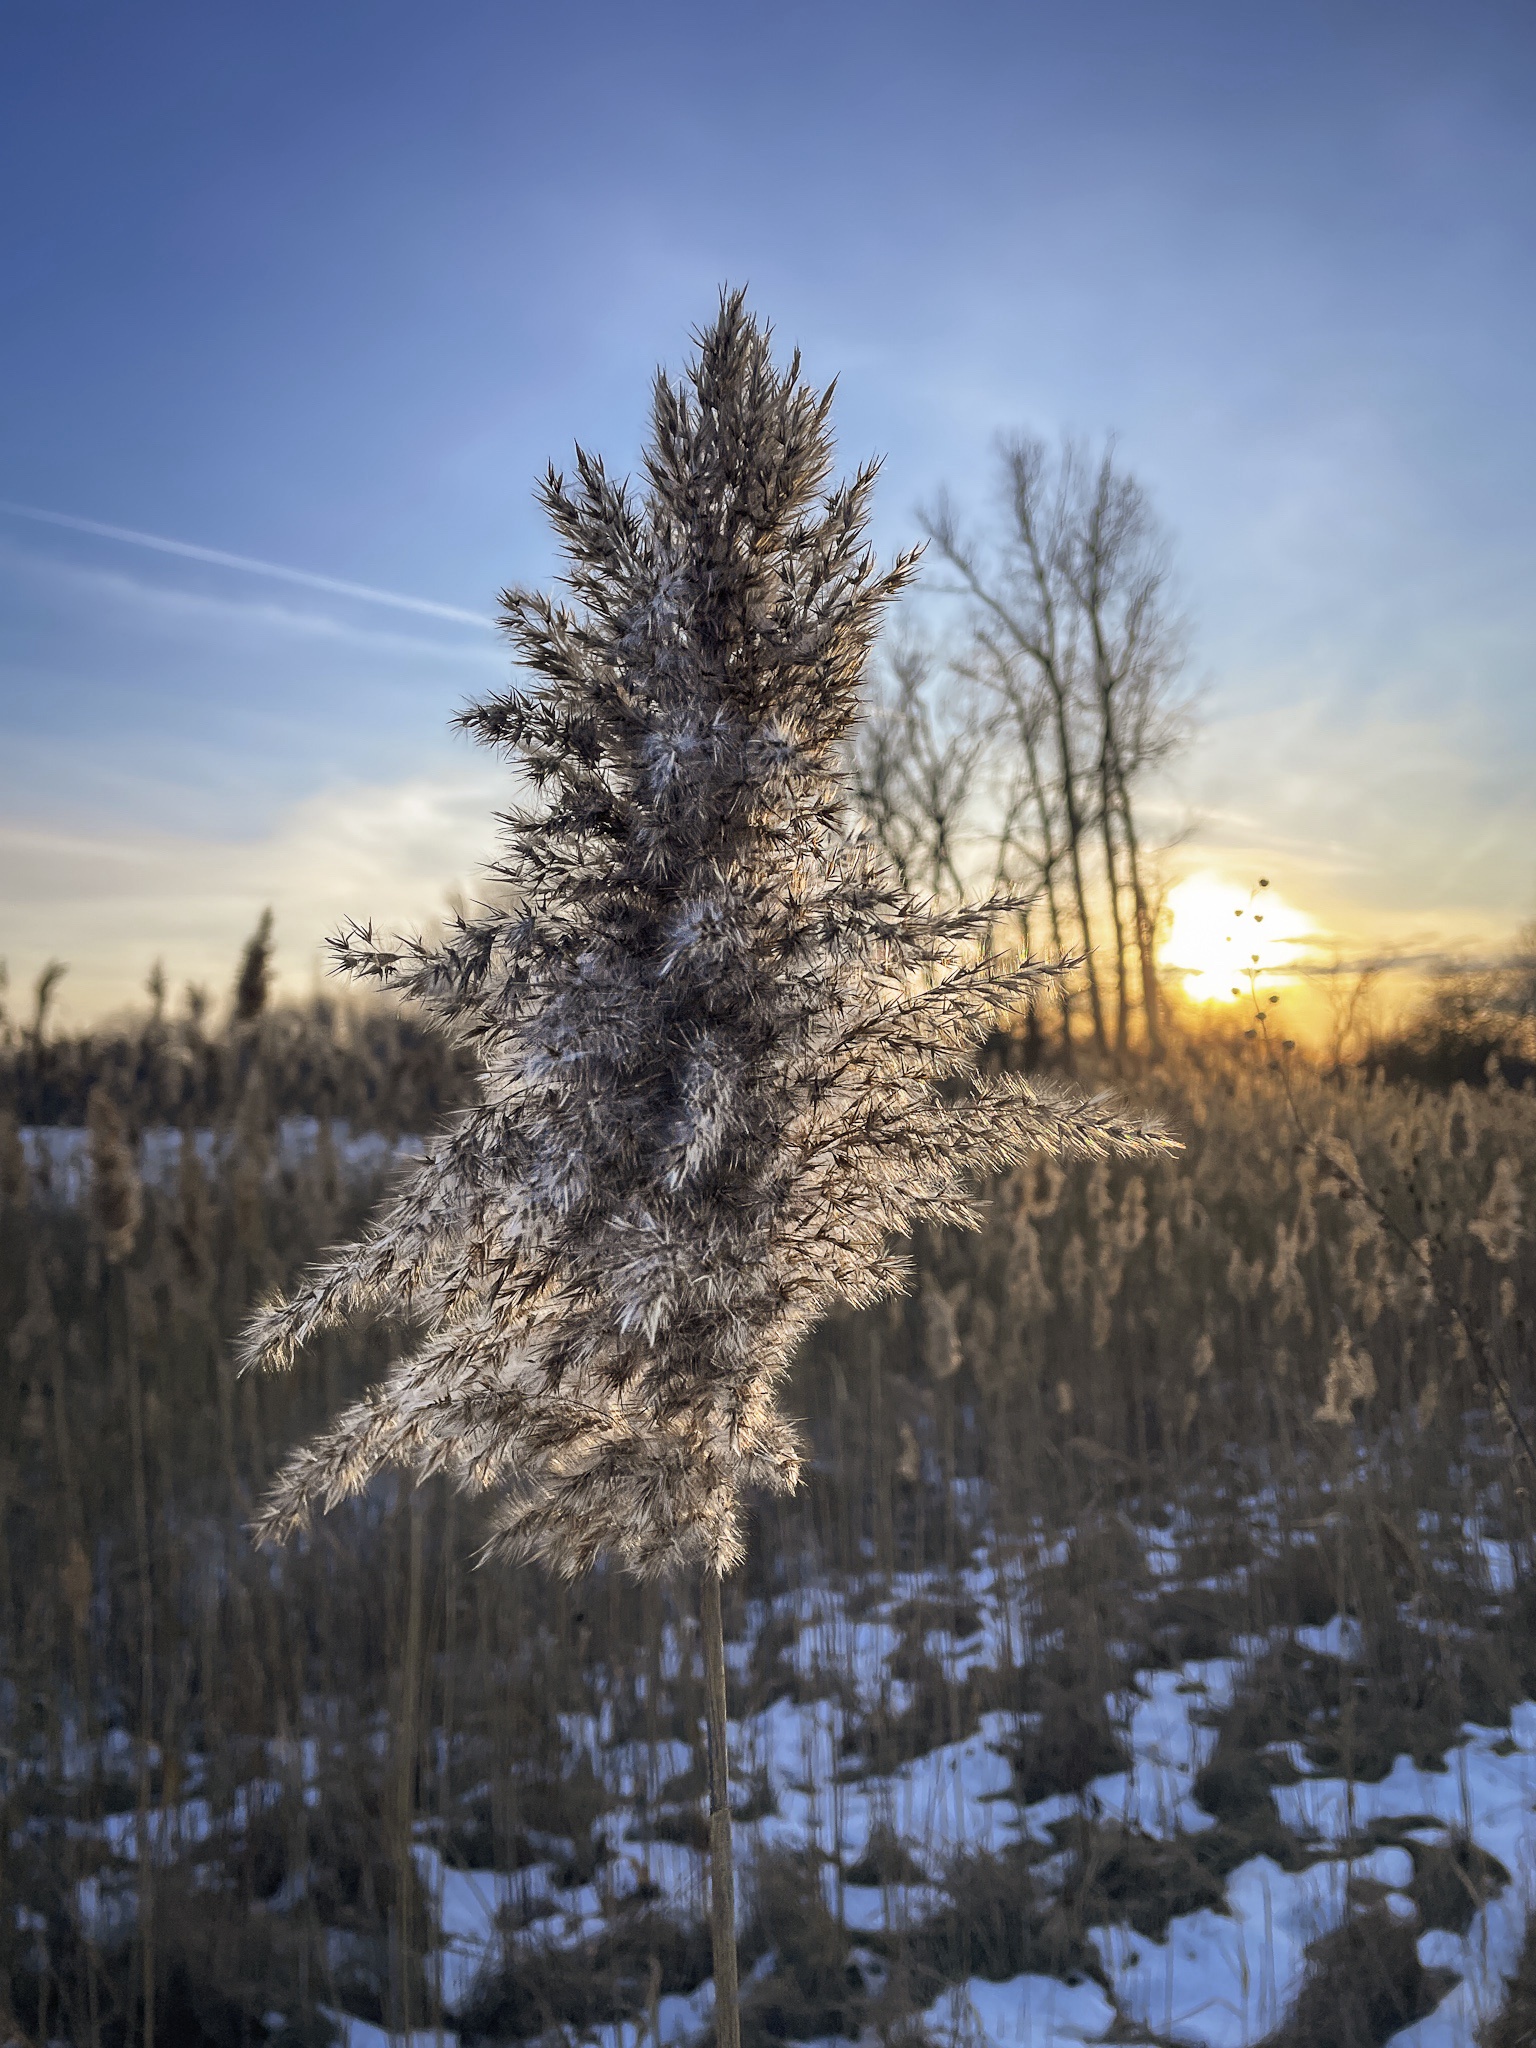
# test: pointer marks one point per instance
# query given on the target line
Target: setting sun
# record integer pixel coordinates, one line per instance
(1218, 933)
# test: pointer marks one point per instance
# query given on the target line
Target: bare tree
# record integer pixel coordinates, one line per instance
(1074, 630)
(1115, 563)
(1019, 595)
(918, 751)
(945, 770)
(1031, 839)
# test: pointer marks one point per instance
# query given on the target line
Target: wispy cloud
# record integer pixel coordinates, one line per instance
(111, 901)
(334, 586)
(1394, 833)
(173, 602)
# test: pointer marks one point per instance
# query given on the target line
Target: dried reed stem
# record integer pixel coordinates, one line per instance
(722, 1869)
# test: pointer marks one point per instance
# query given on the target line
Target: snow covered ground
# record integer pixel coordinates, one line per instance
(1216, 1978)
(58, 1156)
(1222, 1979)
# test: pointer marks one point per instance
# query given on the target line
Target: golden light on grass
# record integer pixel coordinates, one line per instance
(1221, 931)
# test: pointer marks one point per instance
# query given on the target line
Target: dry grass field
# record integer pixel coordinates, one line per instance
(1150, 1656)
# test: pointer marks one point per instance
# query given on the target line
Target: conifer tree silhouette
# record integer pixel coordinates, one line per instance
(725, 1058)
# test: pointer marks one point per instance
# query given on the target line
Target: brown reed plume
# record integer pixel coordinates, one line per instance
(725, 1058)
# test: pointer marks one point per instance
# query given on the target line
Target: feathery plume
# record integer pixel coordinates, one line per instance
(116, 1199)
(726, 1059)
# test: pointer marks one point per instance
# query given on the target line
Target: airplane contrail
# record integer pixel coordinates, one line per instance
(332, 584)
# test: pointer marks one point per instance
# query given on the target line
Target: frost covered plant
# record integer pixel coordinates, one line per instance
(725, 1058)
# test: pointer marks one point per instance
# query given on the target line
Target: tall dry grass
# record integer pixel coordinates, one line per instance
(1303, 1347)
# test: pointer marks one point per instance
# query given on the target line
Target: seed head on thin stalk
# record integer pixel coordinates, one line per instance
(116, 1199)
(725, 1059)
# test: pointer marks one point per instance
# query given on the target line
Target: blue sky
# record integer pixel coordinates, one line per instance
(324, 287)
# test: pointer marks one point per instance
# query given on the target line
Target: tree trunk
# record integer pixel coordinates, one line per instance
(1111, 779)
(1146, 934)
(1076, 832)
(1048, 861)
(1112, 883)
(722, 1873)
